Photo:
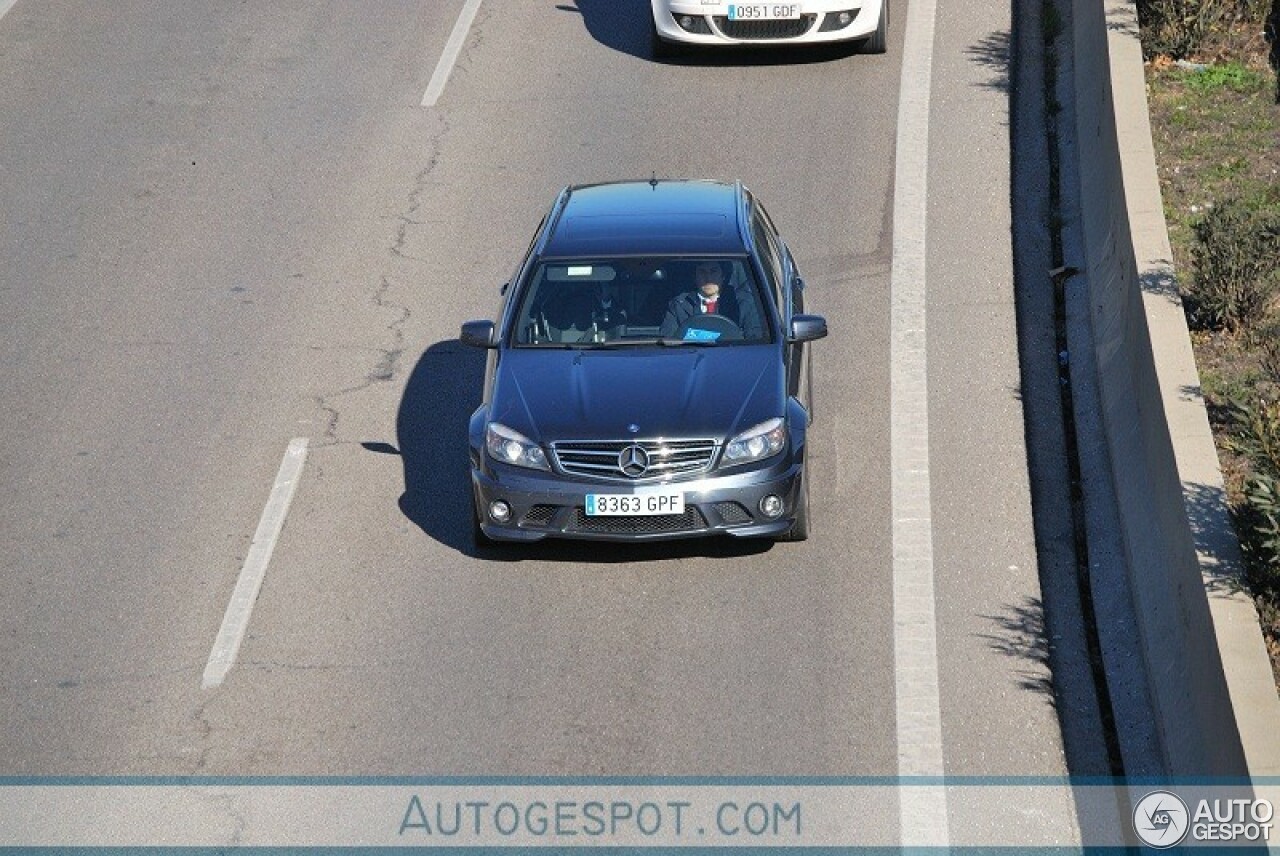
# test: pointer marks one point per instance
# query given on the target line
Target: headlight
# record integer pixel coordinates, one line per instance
(512, 447)
(762, 441)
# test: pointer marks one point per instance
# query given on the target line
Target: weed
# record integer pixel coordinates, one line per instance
(1227, 384)
(1050, 22)
(1230, 168)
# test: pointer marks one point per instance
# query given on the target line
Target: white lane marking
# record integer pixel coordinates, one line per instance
(5, 6)
(452, 48)
(923, 807)
(236, 619)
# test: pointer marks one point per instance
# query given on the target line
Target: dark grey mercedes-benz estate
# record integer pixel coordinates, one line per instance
(647, 375)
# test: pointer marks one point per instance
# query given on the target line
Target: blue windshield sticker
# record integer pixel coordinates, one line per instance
(693, 334)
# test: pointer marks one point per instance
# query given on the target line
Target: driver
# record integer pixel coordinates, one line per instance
(708, 279)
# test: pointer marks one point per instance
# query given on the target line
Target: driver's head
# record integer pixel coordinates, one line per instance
(708, 276)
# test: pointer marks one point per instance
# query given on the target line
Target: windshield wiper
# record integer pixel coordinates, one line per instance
(622, 343)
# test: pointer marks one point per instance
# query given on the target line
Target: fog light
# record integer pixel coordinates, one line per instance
(771, 506)
(838, 20)
(499, 511)
(693, 24)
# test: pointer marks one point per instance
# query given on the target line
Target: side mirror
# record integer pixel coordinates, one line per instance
(478, 333)
(806, 328)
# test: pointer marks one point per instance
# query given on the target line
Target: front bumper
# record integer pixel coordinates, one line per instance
(712, 28)
(545, 505)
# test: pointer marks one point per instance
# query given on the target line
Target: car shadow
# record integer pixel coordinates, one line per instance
(613, 553)
(431, 431)
(624, 26)
(443, 390)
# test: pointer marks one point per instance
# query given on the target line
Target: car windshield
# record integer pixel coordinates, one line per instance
(605, 302)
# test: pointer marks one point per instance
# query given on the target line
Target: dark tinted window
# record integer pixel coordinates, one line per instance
(638, 301)
(764, 240)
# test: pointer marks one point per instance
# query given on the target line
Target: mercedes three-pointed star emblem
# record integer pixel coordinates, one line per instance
(633, 461)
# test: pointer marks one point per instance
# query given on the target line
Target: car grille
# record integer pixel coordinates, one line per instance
(667, 458)
(765, 29)
(692, 519)
(539, 515)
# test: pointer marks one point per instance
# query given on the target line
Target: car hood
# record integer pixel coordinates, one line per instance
(695, 392)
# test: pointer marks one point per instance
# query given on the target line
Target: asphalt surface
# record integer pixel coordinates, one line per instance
(229, 226)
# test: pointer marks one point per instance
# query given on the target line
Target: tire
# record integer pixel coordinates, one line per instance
(799, 530)
(878, 42)
(478, 538)
(660, 47)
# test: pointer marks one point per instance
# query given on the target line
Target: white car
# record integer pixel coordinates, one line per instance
(711, 23)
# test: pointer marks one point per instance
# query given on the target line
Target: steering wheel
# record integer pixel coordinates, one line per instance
(726, 328)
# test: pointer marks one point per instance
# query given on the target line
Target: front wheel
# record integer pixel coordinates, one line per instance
(799, 530)
(878, 42)
(478, 538)
(660, 47)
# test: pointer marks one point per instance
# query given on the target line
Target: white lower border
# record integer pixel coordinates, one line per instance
(582, 815)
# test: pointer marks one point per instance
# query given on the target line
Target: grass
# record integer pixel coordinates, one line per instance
(1232, 76)
(1212, 142)
(1216, 128)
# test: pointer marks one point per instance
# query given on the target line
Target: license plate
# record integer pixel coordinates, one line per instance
(764, 11)
(635, 504)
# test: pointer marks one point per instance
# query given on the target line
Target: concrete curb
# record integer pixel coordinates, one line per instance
(1245, 663)
(1153, 622)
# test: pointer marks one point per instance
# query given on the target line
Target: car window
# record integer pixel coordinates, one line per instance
(640, 301)
(769, 254)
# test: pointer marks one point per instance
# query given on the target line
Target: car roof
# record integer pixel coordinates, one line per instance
(656, 217)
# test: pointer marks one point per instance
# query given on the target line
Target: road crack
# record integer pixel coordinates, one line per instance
(388, 363)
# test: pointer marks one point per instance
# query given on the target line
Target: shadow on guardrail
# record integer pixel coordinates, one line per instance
(993, 53)
(1020, 633)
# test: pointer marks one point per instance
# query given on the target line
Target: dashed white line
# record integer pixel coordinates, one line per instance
(922, 805)
(5, 6)
(452, 48)
(236, 619)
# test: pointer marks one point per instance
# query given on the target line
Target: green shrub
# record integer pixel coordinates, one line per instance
(1236, 265)
(1256, 435)
(1267, 343)
(1260, 531)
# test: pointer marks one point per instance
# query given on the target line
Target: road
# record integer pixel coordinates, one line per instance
(230, 226)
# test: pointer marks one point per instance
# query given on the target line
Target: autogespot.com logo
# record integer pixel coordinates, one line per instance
(1160, 819)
